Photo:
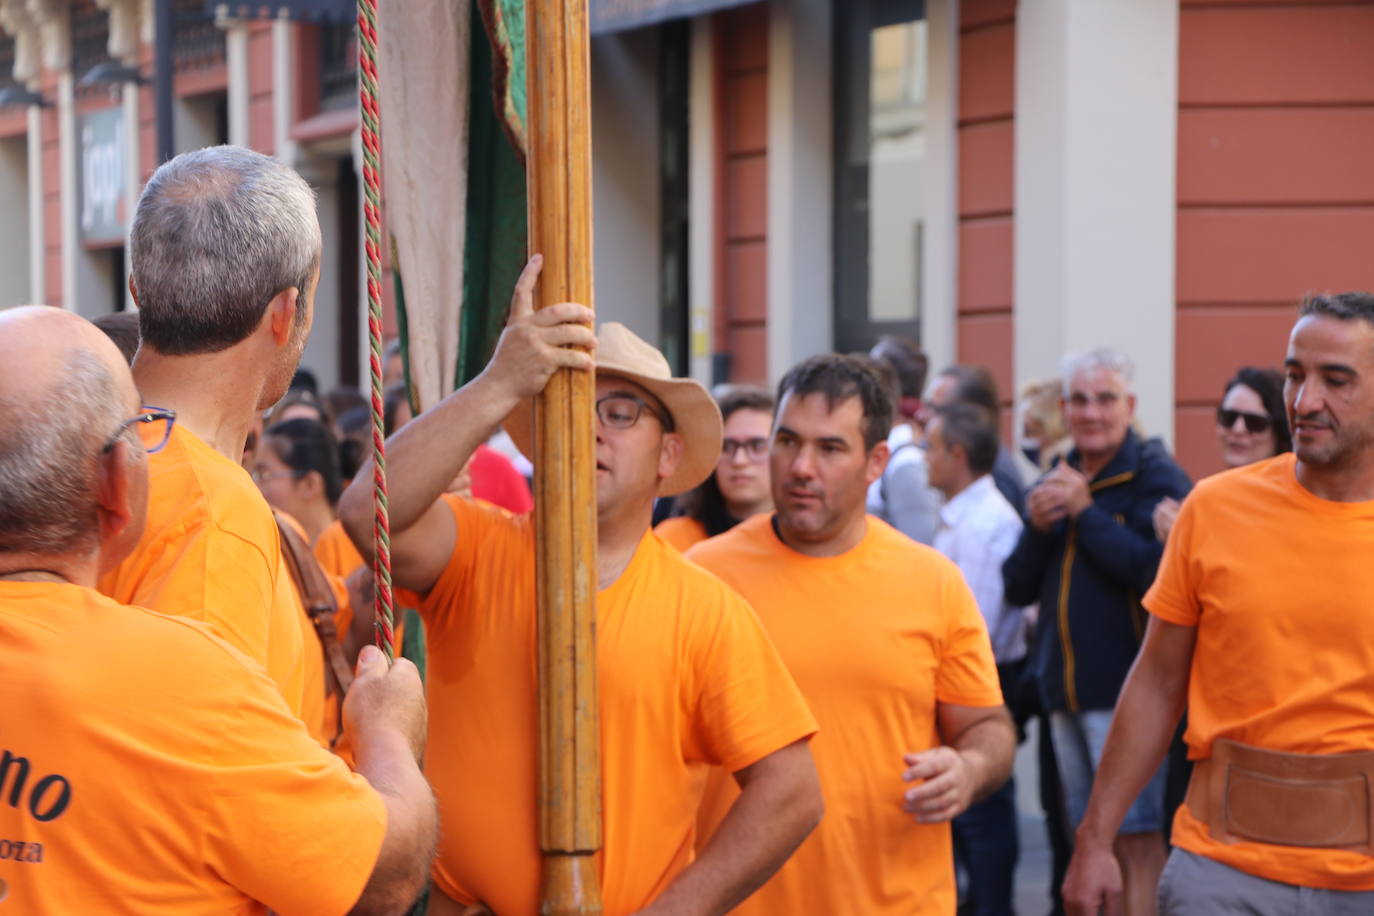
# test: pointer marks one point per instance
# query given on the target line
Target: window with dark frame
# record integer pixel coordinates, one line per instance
(880, 106)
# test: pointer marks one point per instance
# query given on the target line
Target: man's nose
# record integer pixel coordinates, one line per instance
(1307, 399)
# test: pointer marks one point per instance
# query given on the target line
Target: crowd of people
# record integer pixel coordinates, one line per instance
(826, 615)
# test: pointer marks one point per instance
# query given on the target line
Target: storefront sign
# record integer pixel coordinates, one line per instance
(104, 154)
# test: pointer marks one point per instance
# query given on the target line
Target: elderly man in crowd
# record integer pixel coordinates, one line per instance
(978, 531)
(148, 766)
(1088, 554)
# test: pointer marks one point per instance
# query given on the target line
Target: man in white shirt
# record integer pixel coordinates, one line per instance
(978, 531)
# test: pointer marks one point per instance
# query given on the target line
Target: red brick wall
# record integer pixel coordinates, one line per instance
(741, 199)
(987, 67)
(1275, 186)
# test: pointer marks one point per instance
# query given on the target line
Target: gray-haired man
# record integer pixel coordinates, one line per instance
(225, 255)
(148, 767)
(1088, 553)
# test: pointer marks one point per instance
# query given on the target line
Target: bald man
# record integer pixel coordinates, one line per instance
(147, 766)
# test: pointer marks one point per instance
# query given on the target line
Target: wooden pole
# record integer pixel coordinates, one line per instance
(558, 167)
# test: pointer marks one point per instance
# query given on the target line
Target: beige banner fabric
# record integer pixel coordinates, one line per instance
(424, 83)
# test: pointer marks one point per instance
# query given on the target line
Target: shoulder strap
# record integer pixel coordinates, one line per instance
(320, 605)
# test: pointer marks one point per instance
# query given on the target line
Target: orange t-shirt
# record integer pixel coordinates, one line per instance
(210, 551)
(154, 769)
(336, 552)
(681, 531)
(686, 676)
(319, 707)
(875, 638)
(1278, 584)
(339, 559)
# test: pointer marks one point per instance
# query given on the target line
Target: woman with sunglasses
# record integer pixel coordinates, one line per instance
(740, 485)
(1252, 425)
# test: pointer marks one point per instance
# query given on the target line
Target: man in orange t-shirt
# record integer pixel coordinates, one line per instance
(888, 646)
(686, 675)
(146, 766)
(1260, 623)
(223, 328)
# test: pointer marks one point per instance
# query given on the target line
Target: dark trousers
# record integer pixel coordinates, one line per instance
(985, 844)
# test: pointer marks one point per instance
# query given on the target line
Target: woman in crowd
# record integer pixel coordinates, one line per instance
(1044, 435)
(740, 485)
(1252, 425)
(297, 469)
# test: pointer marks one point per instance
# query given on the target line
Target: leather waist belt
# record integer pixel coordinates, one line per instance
(1316, 800)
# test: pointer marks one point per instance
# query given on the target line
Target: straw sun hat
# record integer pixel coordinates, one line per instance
(695, 415)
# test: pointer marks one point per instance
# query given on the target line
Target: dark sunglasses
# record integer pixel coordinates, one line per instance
(1254, 422)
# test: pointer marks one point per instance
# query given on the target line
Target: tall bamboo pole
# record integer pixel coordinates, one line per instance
(560, 226)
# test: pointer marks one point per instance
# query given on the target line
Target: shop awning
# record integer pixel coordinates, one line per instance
(312, 10)
(618, 15)
(606, 15)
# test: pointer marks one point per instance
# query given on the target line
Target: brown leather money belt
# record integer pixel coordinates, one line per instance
(1245, 793)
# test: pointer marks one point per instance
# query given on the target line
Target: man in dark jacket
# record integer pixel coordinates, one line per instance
(1088, 553)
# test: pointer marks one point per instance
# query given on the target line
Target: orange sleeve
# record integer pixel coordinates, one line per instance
(211, 575)
(681, 532)
(279, 817)
(967, 673)
(1173, 596)
(487, 538)
(742, 701)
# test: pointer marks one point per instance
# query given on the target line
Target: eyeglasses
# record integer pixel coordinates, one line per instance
(155, 438)
(1254, 422)
(756, 449)
(621, 411)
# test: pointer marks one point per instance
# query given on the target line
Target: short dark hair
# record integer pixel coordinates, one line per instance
(974, 385)
(731, 398)
(974, 430)
(305, 445)
(122, 328)
(1268, 384)
(906, 360)
(840, 378)
(304, 380)
(1343, 306)
(355, 442)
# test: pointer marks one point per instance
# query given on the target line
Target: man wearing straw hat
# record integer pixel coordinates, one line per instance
(687, 676)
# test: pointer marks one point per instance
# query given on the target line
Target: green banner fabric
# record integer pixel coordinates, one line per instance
(497, 219)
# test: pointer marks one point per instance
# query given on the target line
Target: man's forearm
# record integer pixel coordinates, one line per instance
(768, 821)
(989, 749)
(412, 824)
(424, 457)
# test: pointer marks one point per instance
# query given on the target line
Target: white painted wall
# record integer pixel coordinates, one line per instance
(322, 349)
(625, 179)
(939, 281)
(14, 203)
(701, 216)
(1096, 116)
(800, 182)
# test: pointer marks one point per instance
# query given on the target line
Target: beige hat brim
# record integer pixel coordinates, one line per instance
(696, 418)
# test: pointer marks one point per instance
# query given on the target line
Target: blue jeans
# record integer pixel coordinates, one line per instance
(985, 844)
(1078, 742)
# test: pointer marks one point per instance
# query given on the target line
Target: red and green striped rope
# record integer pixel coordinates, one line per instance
(372, 218)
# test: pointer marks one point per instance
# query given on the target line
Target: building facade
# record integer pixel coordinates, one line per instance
(1004, 181)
